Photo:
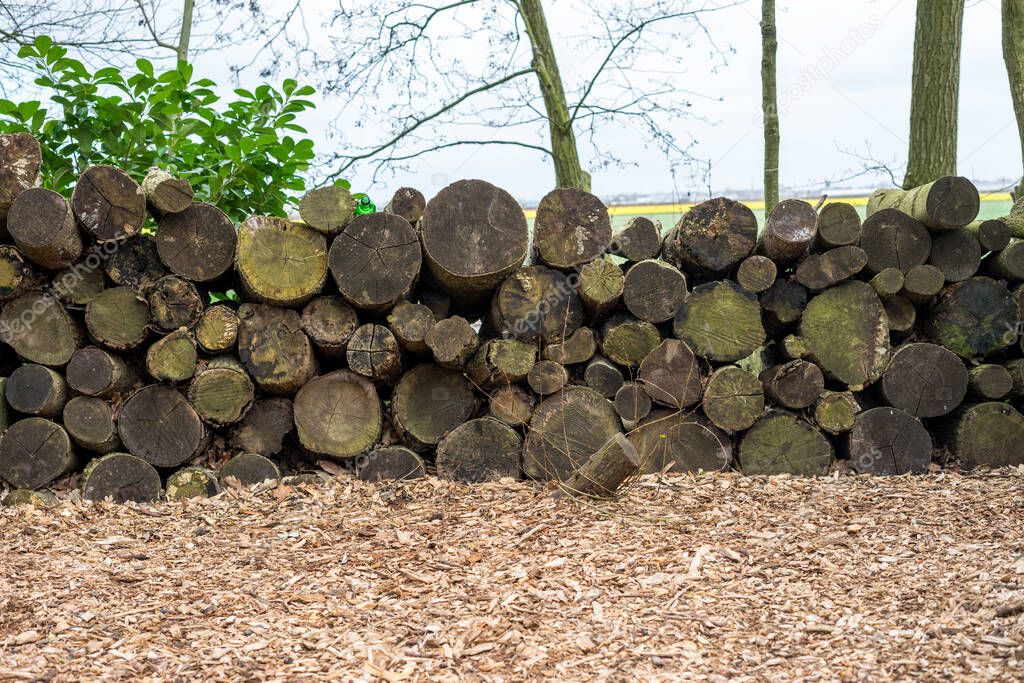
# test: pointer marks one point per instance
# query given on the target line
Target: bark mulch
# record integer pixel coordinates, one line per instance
(719, 577)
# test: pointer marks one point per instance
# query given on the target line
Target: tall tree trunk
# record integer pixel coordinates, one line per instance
(935, 92)
(1013, 55)
(185, 35)
(769, 106)
(568, 171)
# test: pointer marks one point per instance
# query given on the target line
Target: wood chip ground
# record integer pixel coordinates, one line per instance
(713, 578)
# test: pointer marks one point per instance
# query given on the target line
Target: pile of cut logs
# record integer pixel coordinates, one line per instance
(416, 339)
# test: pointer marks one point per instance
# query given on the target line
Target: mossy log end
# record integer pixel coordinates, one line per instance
(329, 323)
(632, 403)
(836, 411)
(947, 203)
(987, 434)
(782, 443)
(783, 303)
(16, 274)
(733, 399)
(566, 429)
(136, 263)
(989, 382)
(600, 287)
(480, 450)
(501, 361)
(973, 318)
(430, 401)
(39, 329)
(756, 273)
(221, 393)
(174, 302)
(327, 209)
(711, 238)
(280, 262)
(338, 415)
(122, 478)
(217, 329)
(191, 482)
(720, 321)
(627, 341)
(118, 319)
(992, 234)
(276, 352)
(547, 377)
(670, 374)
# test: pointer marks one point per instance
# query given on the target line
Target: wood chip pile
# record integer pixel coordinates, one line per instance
(417, 339)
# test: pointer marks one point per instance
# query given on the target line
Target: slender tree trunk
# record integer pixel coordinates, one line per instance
(568, 171)
(935, 93)
(1013, 55)
(769, 106)
(185, 35)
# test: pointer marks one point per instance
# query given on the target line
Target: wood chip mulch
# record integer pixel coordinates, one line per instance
(709, 578)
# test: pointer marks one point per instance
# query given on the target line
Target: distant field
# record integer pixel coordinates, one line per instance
(992, 206)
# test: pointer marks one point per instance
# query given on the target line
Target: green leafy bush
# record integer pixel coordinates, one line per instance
(246, 156)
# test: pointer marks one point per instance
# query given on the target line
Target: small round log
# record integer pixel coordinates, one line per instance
(338, 415)
(108, 204)
(888, 282)
(191, 482)
(34, 452)
(579, 347)
(794, 385)
(160, 426)
(95, 372)
(986, 434)
(327, 209)
(603, 376)
(889, 441)
(166, 194)
(15, 274)
(536, 303)
(501, 361)
(36, 390)
(390, 464)
(653, 290)
(547, 377)
(821, 271)
(407, 202)
(1007, 263)
(711, 238)
(846, 332)
(39, 329)
(992, 234)
(838, 226)
(375, 261)
(276, 352)
(565, 430)
(453, 342)
(639, 240)
(90, 424)
(788, 231)
(410, 324)
(632, 403)
(249, 469)
(600, 285)
(222, 393)
(783, 303)
(944, 204)
(20, 157)
(720, 321)
(480, 450)
(989, 382)
(280, 262)
(733, 399)
(117, 319)
(198, 243)
(121, 478)
(924, 380)
(836, 411)
(511, 404)
(782, 443)
(756, 273)
(571, 227)
(79, 283)
(792, 347)
(956, 253)
(264, 427)
(681, 442)
(902, 316)
(41, 224)
(329, 323)
(921, 283)
(973, 318)
(373, 352)
(892, 239)
(627, 341)
(135, 263)
(217, 329)
(670, 374)
(174, 303)
(428, 402)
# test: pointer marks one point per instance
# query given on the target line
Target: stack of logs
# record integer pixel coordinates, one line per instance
(416, 339)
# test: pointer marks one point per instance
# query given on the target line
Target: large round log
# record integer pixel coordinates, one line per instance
(327, 209)
(924, 380)
(338, 415)
(160, 426)
(90, 424)
(280, 262)
(474, 235)
(428, 402)
(794, 385)
(670, 374)
(782, 443)
(565, 430)
(122, 478)
(639, 240)
(221, 393)
(973, 318)
(627, 341)
(373, 352)
(39, 330)
(410, 324)
(117, 319)
(135, 263)
(375, 261)
(41, 224)
(711, 238)
(501, 361)
(20, 159)
(600, 285)
(264, 427)
(653, 290)
(389, 464)
(788, 231)
(34, 452)
(892, 239)
(95, 372)
(733, 398)
(329, 323)
(887, 440)
(987, 434)
(217, 329)
(452, 341)
(838, 226)
(36, 390)
(174, 303)
(536, 303)
(166, 194)
(572, 227)
(846, 332)
(681, 442)
(276, 352)
(197, 243)
(720, 321)
(947, 203)
(956, 253)
(108, 204)
(480, 450)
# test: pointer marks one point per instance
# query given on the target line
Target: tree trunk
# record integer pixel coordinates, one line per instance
(769, 105)
(564, 153)
(280, 262)
(221, 393)
(1013, 56)
(946, 203)
(720, 321)
(935, 91)
(780, 442)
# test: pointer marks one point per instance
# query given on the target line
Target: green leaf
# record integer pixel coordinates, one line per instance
(145, 66)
